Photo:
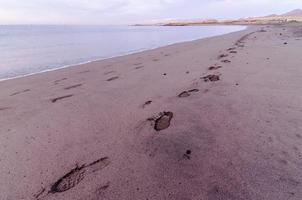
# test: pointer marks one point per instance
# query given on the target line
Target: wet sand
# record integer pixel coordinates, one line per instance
(213, 119)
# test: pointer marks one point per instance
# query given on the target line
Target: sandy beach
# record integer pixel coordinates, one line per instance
(213, 119)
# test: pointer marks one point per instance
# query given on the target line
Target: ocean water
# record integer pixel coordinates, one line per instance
(28, 49)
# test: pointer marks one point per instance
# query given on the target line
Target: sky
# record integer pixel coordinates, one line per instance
(90, 12)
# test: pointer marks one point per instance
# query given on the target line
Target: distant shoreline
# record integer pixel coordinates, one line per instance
(221, 24)
(294, 16)
(106, 58)
(229, 23)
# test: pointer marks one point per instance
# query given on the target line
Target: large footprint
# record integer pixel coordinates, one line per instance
(73, 177)
(162, 121)
(76, 175)
(187, 93)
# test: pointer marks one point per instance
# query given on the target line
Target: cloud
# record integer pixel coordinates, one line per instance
(37, 11)
(132, 11)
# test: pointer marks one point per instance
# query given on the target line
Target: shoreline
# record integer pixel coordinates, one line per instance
(116, 56)
(215, 118)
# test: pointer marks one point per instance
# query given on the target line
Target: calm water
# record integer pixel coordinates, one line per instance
(32, 49)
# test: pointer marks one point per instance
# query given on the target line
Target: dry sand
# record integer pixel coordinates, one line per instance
(231, 132)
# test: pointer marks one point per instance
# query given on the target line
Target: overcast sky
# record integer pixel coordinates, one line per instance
(134, 11)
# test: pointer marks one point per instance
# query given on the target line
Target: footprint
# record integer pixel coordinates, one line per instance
(104, 187)
(147, 103)
(110, 72)
(98, 165)
(232, 48)
(99, 191)
(58, 81)
(233, 51)
(68, 181)
(73, 86)
(113, 78)
(4, 108)
(193, 90)
(225, 61)
(83, 72)
(184, 94)
(39, 193)
(76, 175)
(214, 67)
(163, 121)
(60, 98)
(211, 78)
(240, 41)
(16, 93)
(187, 93)
(139, 67)
(222, 56)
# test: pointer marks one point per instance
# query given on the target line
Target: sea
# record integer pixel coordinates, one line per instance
(31, 49)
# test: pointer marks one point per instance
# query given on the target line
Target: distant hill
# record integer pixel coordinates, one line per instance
(297, 12)
(293, 16)
(273, 15)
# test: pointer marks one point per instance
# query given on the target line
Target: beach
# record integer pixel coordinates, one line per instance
(214, 119)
